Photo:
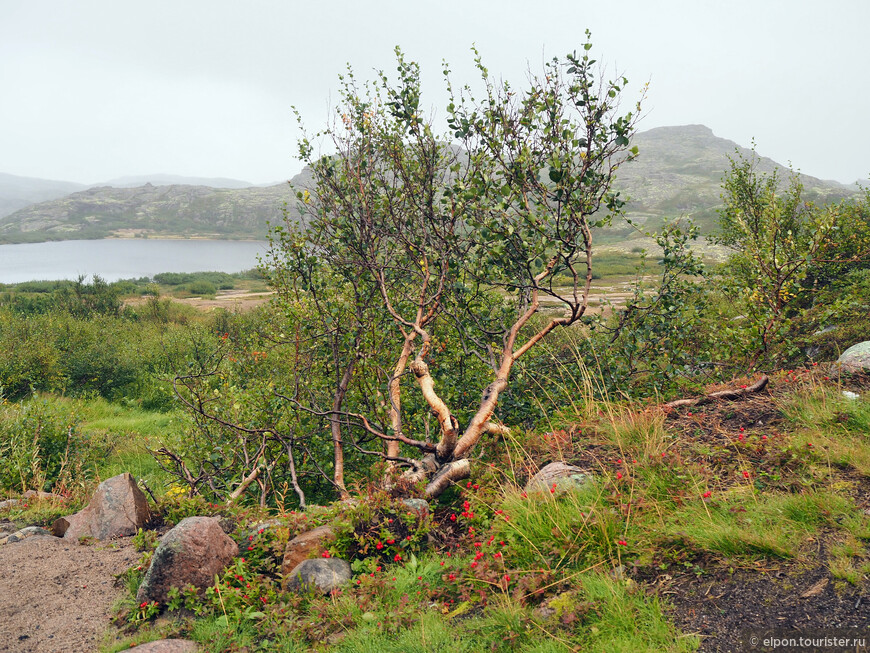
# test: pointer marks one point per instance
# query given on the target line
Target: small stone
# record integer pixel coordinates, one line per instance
(24, 533)
(305, 545)
(563, 475)
(420, 506)
(325, 574)
(856, 358)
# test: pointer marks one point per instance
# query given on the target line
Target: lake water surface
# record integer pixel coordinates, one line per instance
(124, 259)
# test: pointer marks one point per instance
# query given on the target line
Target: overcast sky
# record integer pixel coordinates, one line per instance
(96, 89)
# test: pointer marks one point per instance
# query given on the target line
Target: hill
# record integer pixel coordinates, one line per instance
(678, 172)
(165, 211)
(19, 192)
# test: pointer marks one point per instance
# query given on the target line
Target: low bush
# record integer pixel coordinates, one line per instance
(40, 446)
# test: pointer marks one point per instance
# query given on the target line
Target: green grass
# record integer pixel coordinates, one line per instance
(772, 525)
(114, 438)
(133, 435)
(430, 633)
(568, 528)
(600, 614)
(833, 424)
(629, 620)
(127, 432)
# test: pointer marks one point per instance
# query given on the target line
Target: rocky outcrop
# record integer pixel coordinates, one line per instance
(190, 554)
(679, 169)
(856, 358)
(323, 574)
(304, 546)
(560, 474)
(116, 509)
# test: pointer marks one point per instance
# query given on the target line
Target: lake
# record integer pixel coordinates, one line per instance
(114, 259)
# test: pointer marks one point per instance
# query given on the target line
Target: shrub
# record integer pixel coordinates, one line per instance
(39, 445)
(200, 287)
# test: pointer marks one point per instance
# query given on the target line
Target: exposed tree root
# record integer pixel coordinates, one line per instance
(729, 395)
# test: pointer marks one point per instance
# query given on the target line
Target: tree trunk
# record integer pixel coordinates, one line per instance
(335, 427)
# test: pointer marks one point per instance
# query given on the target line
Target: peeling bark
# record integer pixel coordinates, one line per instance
(448, 423)
(335, 428)
(427, 465)
(294, 479)
(246, 482)
(496, 429)
(395, 395)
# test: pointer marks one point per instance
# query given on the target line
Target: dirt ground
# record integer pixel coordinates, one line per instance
(231, 300)
(56, 595)
(725, 609)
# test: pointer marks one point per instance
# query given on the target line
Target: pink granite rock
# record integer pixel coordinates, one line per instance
(190, 554)
(117, 508)
(303, 546)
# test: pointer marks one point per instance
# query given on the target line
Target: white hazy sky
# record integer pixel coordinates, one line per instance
(95, 89)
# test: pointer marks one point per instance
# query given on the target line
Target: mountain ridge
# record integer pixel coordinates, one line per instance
(678, 172)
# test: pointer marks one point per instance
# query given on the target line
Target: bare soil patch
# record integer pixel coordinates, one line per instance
(56, 595)
(722, 607)
(231, 300)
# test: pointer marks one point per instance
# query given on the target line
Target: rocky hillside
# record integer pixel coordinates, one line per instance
(679, 172)
(186, 211)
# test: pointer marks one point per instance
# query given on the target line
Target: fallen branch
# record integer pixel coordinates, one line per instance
(729, 395)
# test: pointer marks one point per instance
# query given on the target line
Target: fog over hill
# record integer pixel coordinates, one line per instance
(131, 181)
(678, 172)
(18, 192)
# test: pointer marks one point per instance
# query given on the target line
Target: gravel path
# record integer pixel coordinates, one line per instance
(55, 595)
